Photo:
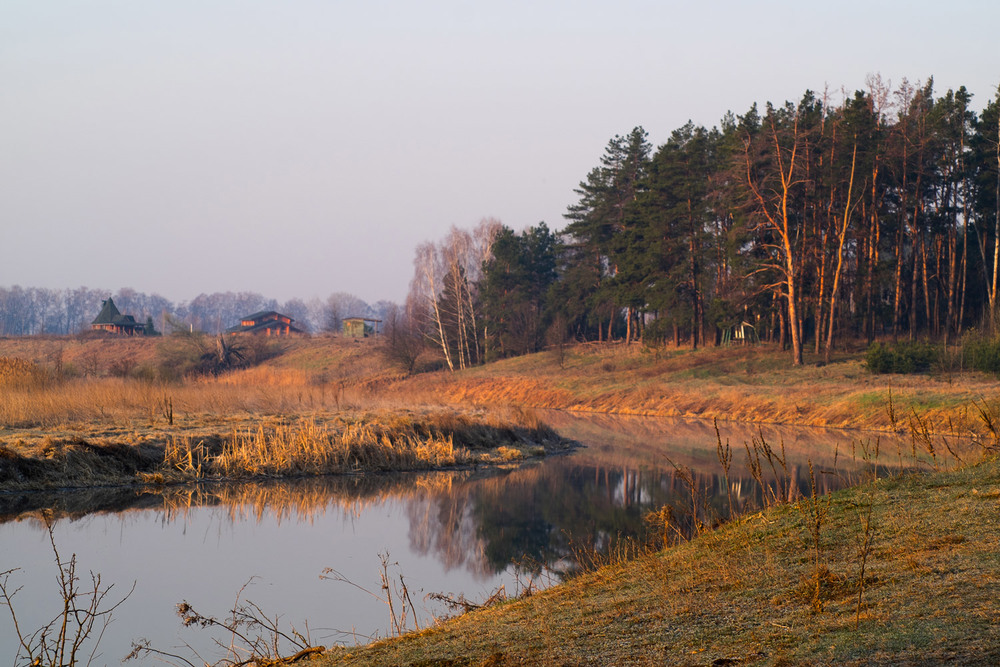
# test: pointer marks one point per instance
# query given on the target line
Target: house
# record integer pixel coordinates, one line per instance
(358, 327)
(266, 323)
(110, 319)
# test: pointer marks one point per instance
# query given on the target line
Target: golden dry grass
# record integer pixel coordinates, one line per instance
(735, 384)
(21, 375)
(755, 384)
(323, 443)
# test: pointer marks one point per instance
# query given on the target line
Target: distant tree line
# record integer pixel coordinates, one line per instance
(28, 311)
(875, 216)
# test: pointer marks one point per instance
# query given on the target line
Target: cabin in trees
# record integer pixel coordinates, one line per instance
(111, 320)
(361, 327)
(265, 323)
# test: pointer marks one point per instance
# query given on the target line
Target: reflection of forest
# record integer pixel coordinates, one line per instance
(298, 499)
(541, 514)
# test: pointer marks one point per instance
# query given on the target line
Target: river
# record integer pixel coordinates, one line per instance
(309, 552)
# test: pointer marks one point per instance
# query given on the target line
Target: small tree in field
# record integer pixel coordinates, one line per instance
(404, 340)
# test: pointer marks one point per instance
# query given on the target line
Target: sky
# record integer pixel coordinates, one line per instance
(299, 148)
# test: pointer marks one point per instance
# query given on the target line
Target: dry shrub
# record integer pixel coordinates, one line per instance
(509, 453)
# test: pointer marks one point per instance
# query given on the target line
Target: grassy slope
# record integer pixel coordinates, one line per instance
(755, 384)
(744, 384)
(744, 593)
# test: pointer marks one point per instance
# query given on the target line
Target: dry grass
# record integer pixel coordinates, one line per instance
(747, 593)
(755, 384)
(308, 448)
(323, 443)
(21, 375)
(734, 384)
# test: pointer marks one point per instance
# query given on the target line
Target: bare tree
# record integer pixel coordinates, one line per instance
(340, 306)
(404, 341)
(424, 291)
(80, 623)
(772, 191)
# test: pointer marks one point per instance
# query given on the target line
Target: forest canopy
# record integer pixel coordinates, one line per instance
(874, 216)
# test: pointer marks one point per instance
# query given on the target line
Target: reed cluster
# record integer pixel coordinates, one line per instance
(320, 444)
(305, 447)
(359, 443)
(20, 374)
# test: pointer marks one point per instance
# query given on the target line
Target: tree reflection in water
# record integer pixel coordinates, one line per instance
(541, 514)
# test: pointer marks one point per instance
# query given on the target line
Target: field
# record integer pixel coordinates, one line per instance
(752, 384)
(67, 398)
(755, 384)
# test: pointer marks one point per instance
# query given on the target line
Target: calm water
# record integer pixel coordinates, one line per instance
(459, 533)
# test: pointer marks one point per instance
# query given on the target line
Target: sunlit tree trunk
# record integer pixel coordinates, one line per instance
(775, 210)
(841, 238)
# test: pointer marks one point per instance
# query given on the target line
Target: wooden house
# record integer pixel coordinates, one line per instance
(360, 327)
(265, 323)
(110, 319)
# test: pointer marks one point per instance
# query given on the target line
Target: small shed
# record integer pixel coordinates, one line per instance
(743, 333)
(110, 319)
(361, 327)
(265, 323)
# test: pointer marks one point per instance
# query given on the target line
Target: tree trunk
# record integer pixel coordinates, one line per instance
(778, 220)
(841, 237)
(996, 237)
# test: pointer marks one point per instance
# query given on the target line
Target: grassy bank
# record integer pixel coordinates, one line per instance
(752, 384)
(905, 567)
(194, 449)
(755, 384)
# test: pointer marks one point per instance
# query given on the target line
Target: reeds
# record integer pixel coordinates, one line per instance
(272, 447)
(20, 374)
(281, 450)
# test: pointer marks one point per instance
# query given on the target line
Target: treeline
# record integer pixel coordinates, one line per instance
(875, 216)
(33, 310)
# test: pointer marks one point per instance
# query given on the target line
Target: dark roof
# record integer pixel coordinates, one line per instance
(109, 313)
(262, 323)
(263, 313)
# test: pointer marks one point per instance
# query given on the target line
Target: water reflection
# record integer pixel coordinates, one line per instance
(463, 532)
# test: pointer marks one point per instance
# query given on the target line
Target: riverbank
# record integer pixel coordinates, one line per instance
(58, 427)
(108, 379)
(905, 568)
(200, 448)
(748, 384)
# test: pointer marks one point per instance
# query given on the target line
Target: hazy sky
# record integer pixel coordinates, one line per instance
(297, 148)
